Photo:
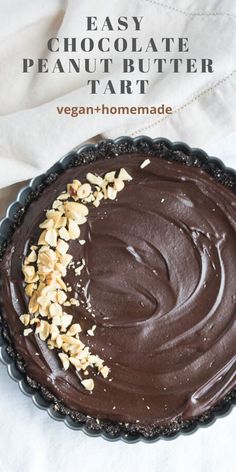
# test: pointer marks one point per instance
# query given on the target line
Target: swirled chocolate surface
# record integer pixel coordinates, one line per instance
(160, 277)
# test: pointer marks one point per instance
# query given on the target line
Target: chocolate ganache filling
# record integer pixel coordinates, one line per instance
(160, 271)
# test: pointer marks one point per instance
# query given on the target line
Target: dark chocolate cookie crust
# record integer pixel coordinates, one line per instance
(107, 150)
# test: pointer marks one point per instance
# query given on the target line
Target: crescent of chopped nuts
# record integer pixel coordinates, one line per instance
(46, 265)
(88, 384)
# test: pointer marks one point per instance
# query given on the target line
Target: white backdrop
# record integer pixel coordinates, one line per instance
(33, 136)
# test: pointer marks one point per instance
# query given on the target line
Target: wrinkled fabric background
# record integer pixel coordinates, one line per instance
(33, 136)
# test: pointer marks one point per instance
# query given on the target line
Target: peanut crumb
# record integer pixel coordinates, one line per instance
(27, 331)
(145, 163)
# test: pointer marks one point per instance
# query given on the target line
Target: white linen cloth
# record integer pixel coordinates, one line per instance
(33, 136)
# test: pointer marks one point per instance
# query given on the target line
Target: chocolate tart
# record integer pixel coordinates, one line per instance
(160, 274)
